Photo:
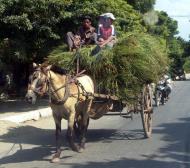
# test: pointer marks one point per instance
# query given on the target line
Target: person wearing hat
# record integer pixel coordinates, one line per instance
(106, 30)
(85, 35)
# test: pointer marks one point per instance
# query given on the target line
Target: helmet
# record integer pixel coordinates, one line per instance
(166, 76)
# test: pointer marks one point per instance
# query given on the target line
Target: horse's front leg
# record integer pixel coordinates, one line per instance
(56, 157)
(70, 132)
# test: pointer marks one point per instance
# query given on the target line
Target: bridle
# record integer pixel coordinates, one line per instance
(39, 90)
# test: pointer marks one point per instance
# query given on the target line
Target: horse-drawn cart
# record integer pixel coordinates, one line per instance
(120, 74)
(142, 104)
(73, 98)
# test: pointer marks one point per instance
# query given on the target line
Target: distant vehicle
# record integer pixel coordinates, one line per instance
(181, 75)
(162, 90)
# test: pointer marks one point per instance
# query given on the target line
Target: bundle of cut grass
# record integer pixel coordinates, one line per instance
(100, 67)
(137, 59)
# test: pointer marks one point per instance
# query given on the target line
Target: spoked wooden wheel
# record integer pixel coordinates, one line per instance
(147, 110)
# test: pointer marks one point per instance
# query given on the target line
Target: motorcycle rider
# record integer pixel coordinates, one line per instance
(163, 90)
(168, 85)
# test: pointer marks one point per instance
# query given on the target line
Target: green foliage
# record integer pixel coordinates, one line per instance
(186, 65)
(143, 5)
(33, 24)
(165, 27)
(186, 46)
(127, 19)
(176, 51)
(29, 29)
(175, 48)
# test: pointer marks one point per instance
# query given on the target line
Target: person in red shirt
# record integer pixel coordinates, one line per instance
(106, 30)
(106, 33)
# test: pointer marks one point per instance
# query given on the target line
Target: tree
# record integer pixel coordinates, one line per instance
(176, 51)
(28, 29)
(165, 26)
(127, 19)
(142, 6)
(186, 56)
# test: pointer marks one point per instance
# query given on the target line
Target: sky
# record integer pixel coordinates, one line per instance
(178, 10)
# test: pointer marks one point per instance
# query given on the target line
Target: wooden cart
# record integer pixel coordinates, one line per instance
(103, 104)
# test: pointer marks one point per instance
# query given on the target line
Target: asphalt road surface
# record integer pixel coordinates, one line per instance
(112, 141)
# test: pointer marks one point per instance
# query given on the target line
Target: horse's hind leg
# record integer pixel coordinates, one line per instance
(70, 132)
(85, 123)
(77, 125)
(56, 156)
(84, 128)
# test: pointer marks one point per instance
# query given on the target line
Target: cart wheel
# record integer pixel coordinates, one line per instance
(147, 110)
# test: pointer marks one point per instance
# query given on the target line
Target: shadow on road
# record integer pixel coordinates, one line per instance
(126, 163)
(43, 142)
(20, 105)
(174, 134)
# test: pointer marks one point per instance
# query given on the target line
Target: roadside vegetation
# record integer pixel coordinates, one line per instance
(34, 31)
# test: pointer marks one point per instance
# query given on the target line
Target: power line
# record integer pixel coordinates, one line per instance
(179, 15)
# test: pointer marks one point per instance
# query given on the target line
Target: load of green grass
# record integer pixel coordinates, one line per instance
(139, 59)
(135, 60)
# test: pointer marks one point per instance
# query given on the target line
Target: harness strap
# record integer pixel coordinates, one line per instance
(66, 94)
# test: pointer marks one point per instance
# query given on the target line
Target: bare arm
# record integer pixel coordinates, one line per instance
(103, 43)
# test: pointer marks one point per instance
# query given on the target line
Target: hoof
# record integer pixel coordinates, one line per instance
(75, 148)
(55, 160)
(81, 150)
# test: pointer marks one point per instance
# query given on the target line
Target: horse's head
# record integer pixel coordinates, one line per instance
(37, 83)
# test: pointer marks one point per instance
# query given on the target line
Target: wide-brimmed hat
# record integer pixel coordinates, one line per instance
(109, 15)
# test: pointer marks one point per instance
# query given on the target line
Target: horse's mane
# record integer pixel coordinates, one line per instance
(55, 68)
(59, 70)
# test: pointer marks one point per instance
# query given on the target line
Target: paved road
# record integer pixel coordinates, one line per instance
(113, 141)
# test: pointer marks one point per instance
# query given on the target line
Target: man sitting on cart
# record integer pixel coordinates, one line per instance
(85, 35)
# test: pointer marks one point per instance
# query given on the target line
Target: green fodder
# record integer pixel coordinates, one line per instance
(135, 60)
(100, 67)
(61, 57)
(139, 59)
